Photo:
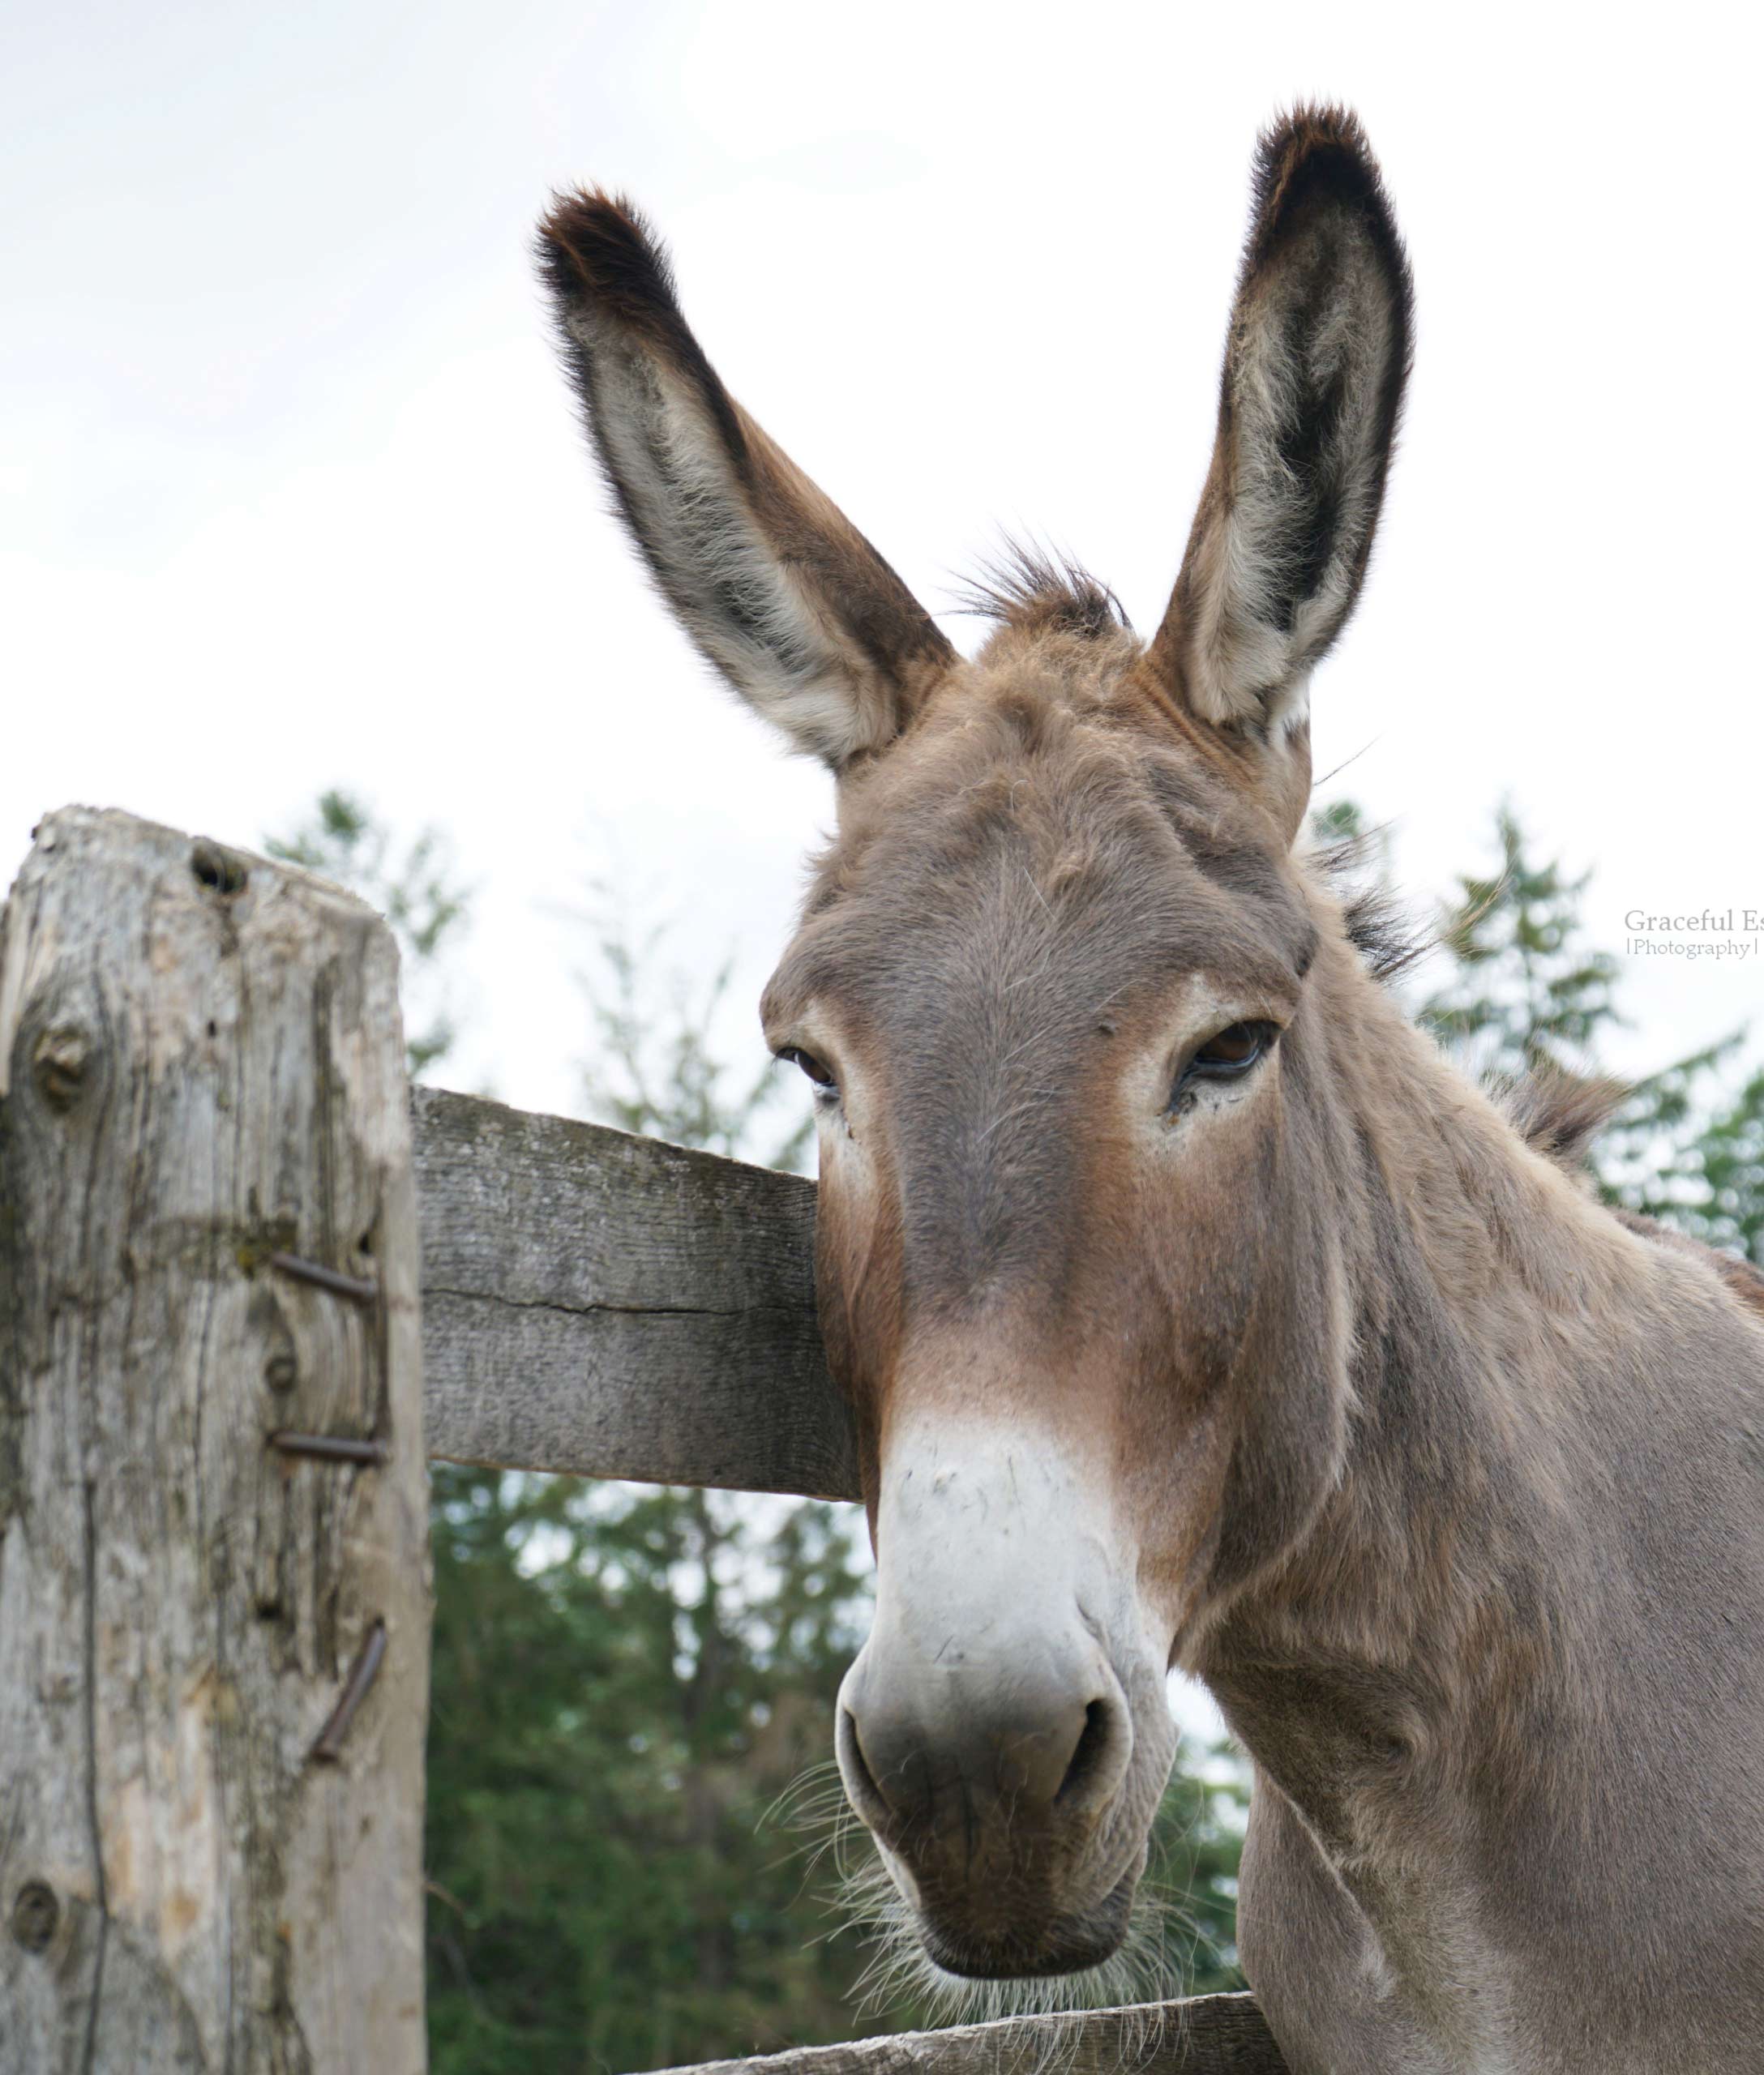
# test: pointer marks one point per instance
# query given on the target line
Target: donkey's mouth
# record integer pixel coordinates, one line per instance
(1069, 1945)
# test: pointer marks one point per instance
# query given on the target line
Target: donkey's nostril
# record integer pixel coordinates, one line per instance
(1094, 1769)
(1060, 1760)
(866, 1796)
(1086, 1752)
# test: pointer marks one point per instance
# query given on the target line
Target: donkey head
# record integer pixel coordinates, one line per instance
(1059, 986)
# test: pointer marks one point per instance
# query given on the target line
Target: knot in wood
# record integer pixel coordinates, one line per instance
(63, 1052)
(216, 866)
(35, 1914)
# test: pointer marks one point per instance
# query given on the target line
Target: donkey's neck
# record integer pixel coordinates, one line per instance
(1523, 1370)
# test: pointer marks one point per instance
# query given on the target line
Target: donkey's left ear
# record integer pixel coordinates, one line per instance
(1315, 364)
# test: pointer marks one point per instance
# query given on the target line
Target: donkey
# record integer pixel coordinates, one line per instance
(1193, 1310)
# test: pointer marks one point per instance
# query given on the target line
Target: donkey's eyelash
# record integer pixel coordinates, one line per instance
(825, 1081)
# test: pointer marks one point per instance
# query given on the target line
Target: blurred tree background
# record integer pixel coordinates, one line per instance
(634, 1836)
(1524, 993)
(413, 887)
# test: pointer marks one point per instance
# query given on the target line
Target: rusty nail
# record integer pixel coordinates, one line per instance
(35, 1914)
(326, 1278)
(362, 1674)
(331, 1448)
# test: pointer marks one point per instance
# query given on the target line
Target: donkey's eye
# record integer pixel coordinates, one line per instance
(822, 1076)
(1228, 1054)
(1232, 1049)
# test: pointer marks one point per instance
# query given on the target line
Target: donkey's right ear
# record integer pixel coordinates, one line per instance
(778, 589)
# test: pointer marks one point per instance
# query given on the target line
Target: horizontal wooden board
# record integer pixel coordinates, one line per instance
(613, 1307)
(1205, 2035)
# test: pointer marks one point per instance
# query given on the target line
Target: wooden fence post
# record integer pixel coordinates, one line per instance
(214, 1599)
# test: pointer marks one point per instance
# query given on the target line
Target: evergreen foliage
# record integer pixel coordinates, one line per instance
(414, 888)
(1524, 994)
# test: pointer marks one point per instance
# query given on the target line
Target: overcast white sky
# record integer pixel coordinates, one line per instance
(290, 493)
(291, 496)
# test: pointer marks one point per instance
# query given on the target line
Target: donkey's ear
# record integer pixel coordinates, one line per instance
(1315, 364)
(776, 586)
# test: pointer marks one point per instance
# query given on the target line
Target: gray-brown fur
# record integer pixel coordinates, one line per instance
(1308, 1374)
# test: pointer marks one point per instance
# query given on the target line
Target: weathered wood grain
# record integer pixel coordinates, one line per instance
(200, 1066)
(608, 1305)
(1205, 2035)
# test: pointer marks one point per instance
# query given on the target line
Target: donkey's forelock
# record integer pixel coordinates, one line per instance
(1027, 588)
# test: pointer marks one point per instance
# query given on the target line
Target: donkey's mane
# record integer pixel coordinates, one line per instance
(1560, 1114)
(1557, 1112)
(1387, 937)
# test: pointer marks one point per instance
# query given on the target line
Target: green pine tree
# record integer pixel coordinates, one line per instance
(1522, 993)
(413, 887)
(1727, 1209)
(651, 1067)
(1526, 993)
(626, 1681)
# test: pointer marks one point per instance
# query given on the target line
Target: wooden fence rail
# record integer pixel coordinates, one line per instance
(604, 1304)
(1205, 2035)
(214, 1554)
